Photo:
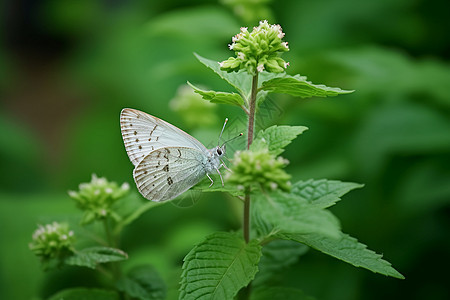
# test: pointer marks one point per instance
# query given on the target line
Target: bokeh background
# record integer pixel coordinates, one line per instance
(67, 68)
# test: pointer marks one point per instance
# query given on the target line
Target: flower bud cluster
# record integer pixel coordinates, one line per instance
(97, 197)
(53, 240)
(259, 167)
(258, 50)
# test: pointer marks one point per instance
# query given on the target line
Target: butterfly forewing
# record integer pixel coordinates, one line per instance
(143, 133)
(167, 172)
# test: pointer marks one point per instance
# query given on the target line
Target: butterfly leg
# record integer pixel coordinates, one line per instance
(212, 182)
(221, 179)
(224, 165)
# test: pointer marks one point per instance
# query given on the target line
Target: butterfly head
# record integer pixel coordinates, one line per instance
(219, 151)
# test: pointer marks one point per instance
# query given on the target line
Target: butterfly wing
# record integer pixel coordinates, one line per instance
(143, 133)
(168, 172)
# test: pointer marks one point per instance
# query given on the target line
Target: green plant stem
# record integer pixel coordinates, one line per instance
(111, 240)
(247, 217)
(252, 110)
(245, 292)
(109, 237)
(250, 133)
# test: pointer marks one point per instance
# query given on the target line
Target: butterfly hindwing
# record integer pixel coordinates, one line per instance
(167, 172)
(143, 133)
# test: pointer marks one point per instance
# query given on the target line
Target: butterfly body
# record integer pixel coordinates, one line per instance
(167, 160)
(213, 161)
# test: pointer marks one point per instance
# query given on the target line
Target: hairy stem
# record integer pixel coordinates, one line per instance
(251, 115)
(251, 128)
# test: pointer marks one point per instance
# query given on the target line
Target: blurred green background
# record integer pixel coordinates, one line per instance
(67, 68)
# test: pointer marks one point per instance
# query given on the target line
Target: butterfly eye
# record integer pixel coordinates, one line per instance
(219, 151)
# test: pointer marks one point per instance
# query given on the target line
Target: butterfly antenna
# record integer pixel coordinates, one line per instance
(220, 136)
(240, 134)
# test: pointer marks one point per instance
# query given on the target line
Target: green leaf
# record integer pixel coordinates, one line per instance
(219, 267)
(219, 97)
(143, 282)
(275, 138)
(298, 86)
(288, 213)
(276, 256)
(266, 76)
(90, 257)
(241, 80)
(323, 193)
(348, 249)
(85, 294)
(284, 293)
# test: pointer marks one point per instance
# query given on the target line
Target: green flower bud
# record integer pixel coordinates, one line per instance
(260, 168)
(274, 66)
(257, 50)
(231, 63)
(52, 241)
(97, 197)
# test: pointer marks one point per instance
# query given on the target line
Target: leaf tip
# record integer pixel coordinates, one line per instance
(396, 274)
(347, 91)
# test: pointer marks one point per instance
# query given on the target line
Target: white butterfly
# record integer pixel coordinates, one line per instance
(167, 160)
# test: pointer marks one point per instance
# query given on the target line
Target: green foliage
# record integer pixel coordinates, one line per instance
(391, 135)
(275, 138)
(287, 213)
(143, 283)
(299, 215)
(347, 249)
(323, 193)
(91, 257)
(241, 81)
(303, 211)
(219, 267)
(219, 97)
(295, 218)
(85, 294)
(54, 242)
(298, 86)
(276, 256)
